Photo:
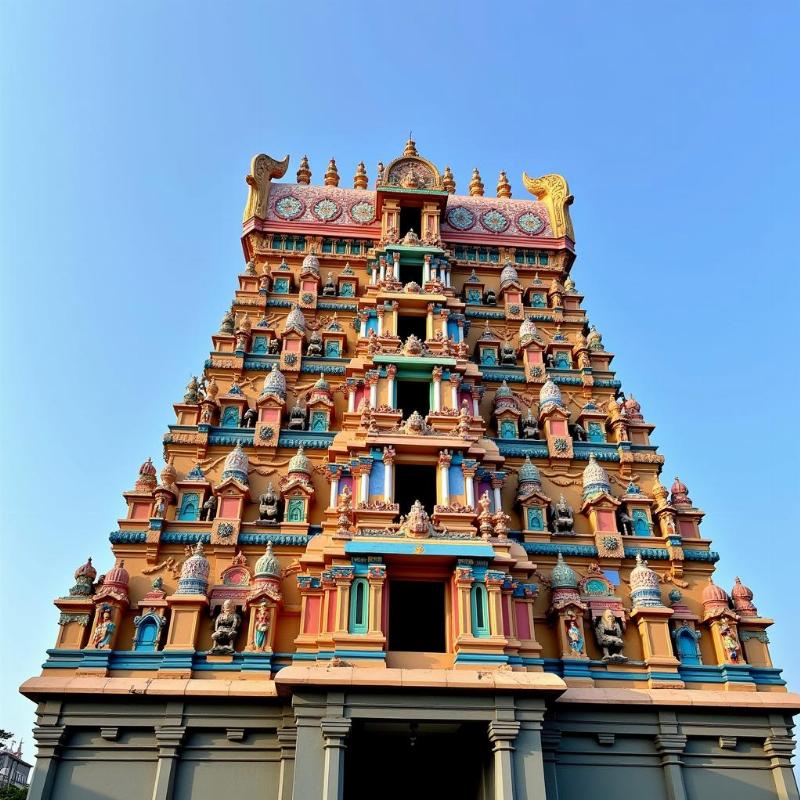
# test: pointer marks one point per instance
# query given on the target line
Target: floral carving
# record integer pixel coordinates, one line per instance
(266, 433)
(362, 212)
(289, 207)
(460, 218)
(530, 223)
(495, 221)
(326, 209)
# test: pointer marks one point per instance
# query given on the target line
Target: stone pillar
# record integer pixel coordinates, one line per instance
(779, 749)
(391, 372)
(429, 322)
(372, 382)
(497, 485)
(334, 479)
(502, 735)
(476, 411)
(447, 275)
(670, 747)
(455, 382)
(529, 780)
(494, 601)
(373, 275)
(49, 739)
(444, 477)
(426, 269)
(376, 579)
(436, 374)
(383, 268)
(396, 265)
(379, 311)
(334, 731)
(388, 478)
(351, 390)
(363, 316)
(444, 314)
(287, 737)
(169, 738)
(363, 486)
(309, 780)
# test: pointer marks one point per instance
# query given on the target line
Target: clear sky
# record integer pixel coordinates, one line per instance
(127, 129)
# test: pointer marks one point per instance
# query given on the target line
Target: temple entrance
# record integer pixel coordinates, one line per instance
(406, 325)
(414, 482)
(416, 616)
(413, 396)
(410, 218)
(410, 761)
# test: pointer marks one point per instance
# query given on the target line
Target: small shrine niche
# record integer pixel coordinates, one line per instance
(347, 282)
(487, 348)
(507, 413)
(473, 291)
(334, 339)
(606, 614)
(511, 292)
(320, 406)
(282, 279)
(297, 493)
(270, 404)
(150, 623)
(536, 294)
(590, 425)
(635, 515)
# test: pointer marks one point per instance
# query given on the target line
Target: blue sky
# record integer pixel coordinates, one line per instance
(128, 129)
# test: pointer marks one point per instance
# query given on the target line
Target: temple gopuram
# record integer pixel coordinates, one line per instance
(410, 538)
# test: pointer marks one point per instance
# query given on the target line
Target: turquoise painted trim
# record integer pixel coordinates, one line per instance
(127, 537)
(548, 549)
(229, 436)
(185, 537)
(767, 676)
(408, 361)
(480, 658)
(324, 305)
(359, 617)
(499, 377)
(310, 440)
(63, 659)
(479, 608)
(428, 549)
(521, 448)
(295, 539)
(701, 555)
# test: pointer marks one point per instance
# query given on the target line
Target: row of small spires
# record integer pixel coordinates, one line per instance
(361, 179)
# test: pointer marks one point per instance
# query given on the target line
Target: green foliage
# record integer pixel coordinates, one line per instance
(13, 793)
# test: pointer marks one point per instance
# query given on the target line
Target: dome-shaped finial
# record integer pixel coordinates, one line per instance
(304, 172)
(595, 479)
(236, 465)
(410, 148)
(476, 184)
(268, 566)
(645, 591)
(332, 174)
(360, 179)
(563, 576)
(742, 597)
(448, 181)
(503, 186)
(194, 573)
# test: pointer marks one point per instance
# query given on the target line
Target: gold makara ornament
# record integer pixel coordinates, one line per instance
(263, 169)
(553, 190)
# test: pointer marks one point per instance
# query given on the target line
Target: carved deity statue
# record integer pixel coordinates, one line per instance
(507, 354)
(608, 633)
(730, 642)
(274, 347)
(490, 298)
(329, 289)
(314, 345)
(261, 627)
(104, 631)
(297, 418)
(226, 626)
(563, 518)
(193, 394)
(625, 523)
(268, 506)
(530, 428)
(579, 432)
(209, 510)
(575, 638)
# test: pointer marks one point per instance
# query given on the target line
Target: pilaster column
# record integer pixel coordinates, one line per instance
(396, 265)
(444, 477)
(670, 747)
(383, 268)
(362, 472)
(363, 317)
(376, 577)
(494, 601)
(444, 314)
(429, 322)
(169, 738)
(333, 477)
(469, 483)
(529, 778)
(391, 372)
(334, 732)
(308, 781)
(426, 269)
(455, 382)
(373, 280)
(379, 311)
(550, 742)
(351, 390)
(502, 735)
(48, 749)
(436, 375)
(342, 615)
(287, 738)
(372, 381)
(497, 485)
(447, 275)
(388, 478)
(779, 749)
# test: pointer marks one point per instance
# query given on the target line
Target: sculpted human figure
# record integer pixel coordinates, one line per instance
(490, 298)
(329, 289)
(625, 523)
(274, 347)
(261, 627)
(507, 354)
(314, 345)
(209, 509)
(730, 642)
(192, 391)
(268, 505)
(575, 638)
(579, 432)
(530, 428)
(608, 633)
(563, 518)
(249, 418)
(226, 626)
(297, 418)
(104, 630)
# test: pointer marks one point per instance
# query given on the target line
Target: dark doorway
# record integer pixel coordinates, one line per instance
(416, 616)
(402, 760)
(413, 396)
(410, 218)
(414, 482)
(406, 325)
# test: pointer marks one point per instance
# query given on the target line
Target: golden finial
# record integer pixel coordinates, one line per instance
(411, 147)
(360, 180)
(503, 186)
(332, 174)
(303, 171)
(476, 184)
(448, 181)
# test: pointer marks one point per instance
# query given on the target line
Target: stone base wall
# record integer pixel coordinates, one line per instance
(180, 749)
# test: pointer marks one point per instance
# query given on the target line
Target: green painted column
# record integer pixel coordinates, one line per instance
(779, 749)
(169, 738)
(307, 781)
(502, 734)
(287, 737)
(529, 762)
(670, 747)
(550, 739)
(334, 731)
(48, 747)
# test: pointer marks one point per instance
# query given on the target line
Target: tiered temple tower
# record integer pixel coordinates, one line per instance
(409, 535)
